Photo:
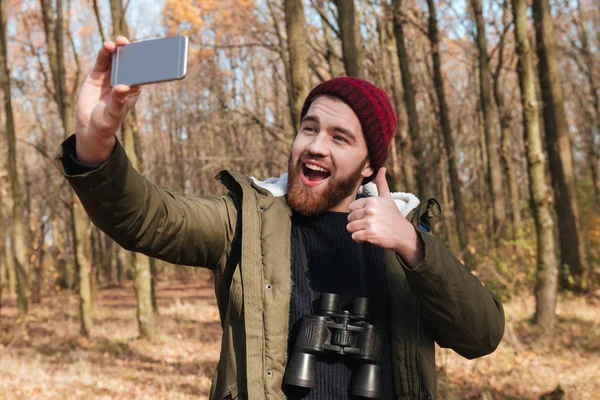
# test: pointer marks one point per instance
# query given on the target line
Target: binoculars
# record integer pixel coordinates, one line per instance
(339, 333)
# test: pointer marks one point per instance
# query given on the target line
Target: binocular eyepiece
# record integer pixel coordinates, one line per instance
(340, 333)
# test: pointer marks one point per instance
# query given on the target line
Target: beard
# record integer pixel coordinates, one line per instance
(310, 201)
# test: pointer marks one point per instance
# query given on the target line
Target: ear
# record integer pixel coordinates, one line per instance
(367, 170)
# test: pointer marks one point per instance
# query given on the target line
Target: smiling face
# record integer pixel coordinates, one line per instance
(329, 158)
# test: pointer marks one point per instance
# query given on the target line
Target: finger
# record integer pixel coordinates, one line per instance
(359, 236)
(356, 226)
(103, 59)
(121, 40)
(134, 92)
(355, 205)
(382, 187)
(357, 214)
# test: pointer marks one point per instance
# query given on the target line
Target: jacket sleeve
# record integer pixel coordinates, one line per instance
(148, 219)
(464, 314)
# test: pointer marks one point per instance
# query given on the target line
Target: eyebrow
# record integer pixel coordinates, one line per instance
(343, 131)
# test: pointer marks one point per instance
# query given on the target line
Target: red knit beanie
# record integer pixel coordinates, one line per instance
(371, 105)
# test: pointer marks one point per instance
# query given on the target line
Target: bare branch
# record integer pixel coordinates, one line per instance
(98, 21)
(325, 19)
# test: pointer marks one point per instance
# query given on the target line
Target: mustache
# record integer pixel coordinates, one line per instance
(310, 157)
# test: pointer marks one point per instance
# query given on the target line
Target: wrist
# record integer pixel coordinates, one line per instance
(412, 248)
(94, 151)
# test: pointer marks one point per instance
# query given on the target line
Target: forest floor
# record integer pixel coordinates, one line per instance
(46, 359)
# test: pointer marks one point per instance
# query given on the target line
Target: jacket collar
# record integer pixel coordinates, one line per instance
(278, 187)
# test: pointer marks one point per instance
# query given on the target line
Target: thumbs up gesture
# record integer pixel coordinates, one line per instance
(378, 221)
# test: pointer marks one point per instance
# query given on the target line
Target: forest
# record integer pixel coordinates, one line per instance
(498, 106)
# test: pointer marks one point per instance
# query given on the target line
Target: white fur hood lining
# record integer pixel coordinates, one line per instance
(404, 201)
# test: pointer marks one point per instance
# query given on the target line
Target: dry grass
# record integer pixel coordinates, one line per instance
(47, 359)
(532, 361)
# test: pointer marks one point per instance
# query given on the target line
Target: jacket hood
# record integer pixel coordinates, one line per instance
(405, 202)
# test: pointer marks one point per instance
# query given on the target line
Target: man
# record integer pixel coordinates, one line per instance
(275, 246)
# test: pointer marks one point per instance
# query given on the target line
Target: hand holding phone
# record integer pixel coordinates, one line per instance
(150, 61)
(102, 108)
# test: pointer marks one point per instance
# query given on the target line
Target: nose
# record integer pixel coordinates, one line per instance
(318, 145)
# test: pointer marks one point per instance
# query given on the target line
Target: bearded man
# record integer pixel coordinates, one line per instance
(330, 225)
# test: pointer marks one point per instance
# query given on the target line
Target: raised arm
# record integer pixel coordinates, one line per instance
(149, 219)
(137, 214)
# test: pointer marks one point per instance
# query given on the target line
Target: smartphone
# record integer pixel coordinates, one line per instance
(150, 61)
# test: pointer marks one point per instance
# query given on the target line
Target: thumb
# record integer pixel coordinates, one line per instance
(382, 187)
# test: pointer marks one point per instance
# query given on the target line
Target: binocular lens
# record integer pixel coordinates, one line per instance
(301, 371)
(367, 382)
(329, 303)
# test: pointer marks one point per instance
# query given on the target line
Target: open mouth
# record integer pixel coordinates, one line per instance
(313, 174)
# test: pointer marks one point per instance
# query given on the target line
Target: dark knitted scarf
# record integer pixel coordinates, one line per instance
(333, 266)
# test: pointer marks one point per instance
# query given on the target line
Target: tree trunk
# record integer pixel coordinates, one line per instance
(444, 114)
(546, 273)
(38, 252)
(2, 276)
(60, 234)
(350, 35)
(588, 66)
(54, 33)
(17, 239)
(141, 263)
(402, 154)
(285, 59)
(110, 261)
(121, 262)
(387, 84)
(154, 272)
(409, 96)
(295, 23)
(572, 247)
(10, 270)
(448, 217)
(83, 265)
(594, 165)
(490, 125)
(505, 121)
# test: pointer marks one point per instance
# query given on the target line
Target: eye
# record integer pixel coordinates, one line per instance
(340, 138)
(309, 129)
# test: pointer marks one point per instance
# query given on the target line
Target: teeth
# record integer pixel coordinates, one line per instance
(315, 168)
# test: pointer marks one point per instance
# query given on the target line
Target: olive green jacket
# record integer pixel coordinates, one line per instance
(244, 238)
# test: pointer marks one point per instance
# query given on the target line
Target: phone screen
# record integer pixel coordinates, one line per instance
(150, 61)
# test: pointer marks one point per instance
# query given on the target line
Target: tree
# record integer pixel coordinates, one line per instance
(143, 276)
(401, 155)
(587, 67)
(444, 115)
(505, 127)
(17, 238)
(330, 34)
(490, 125)
(351, 42)
(409, 95)
(295, 23)
(546, 271)
(558, 146)
(55, 32)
